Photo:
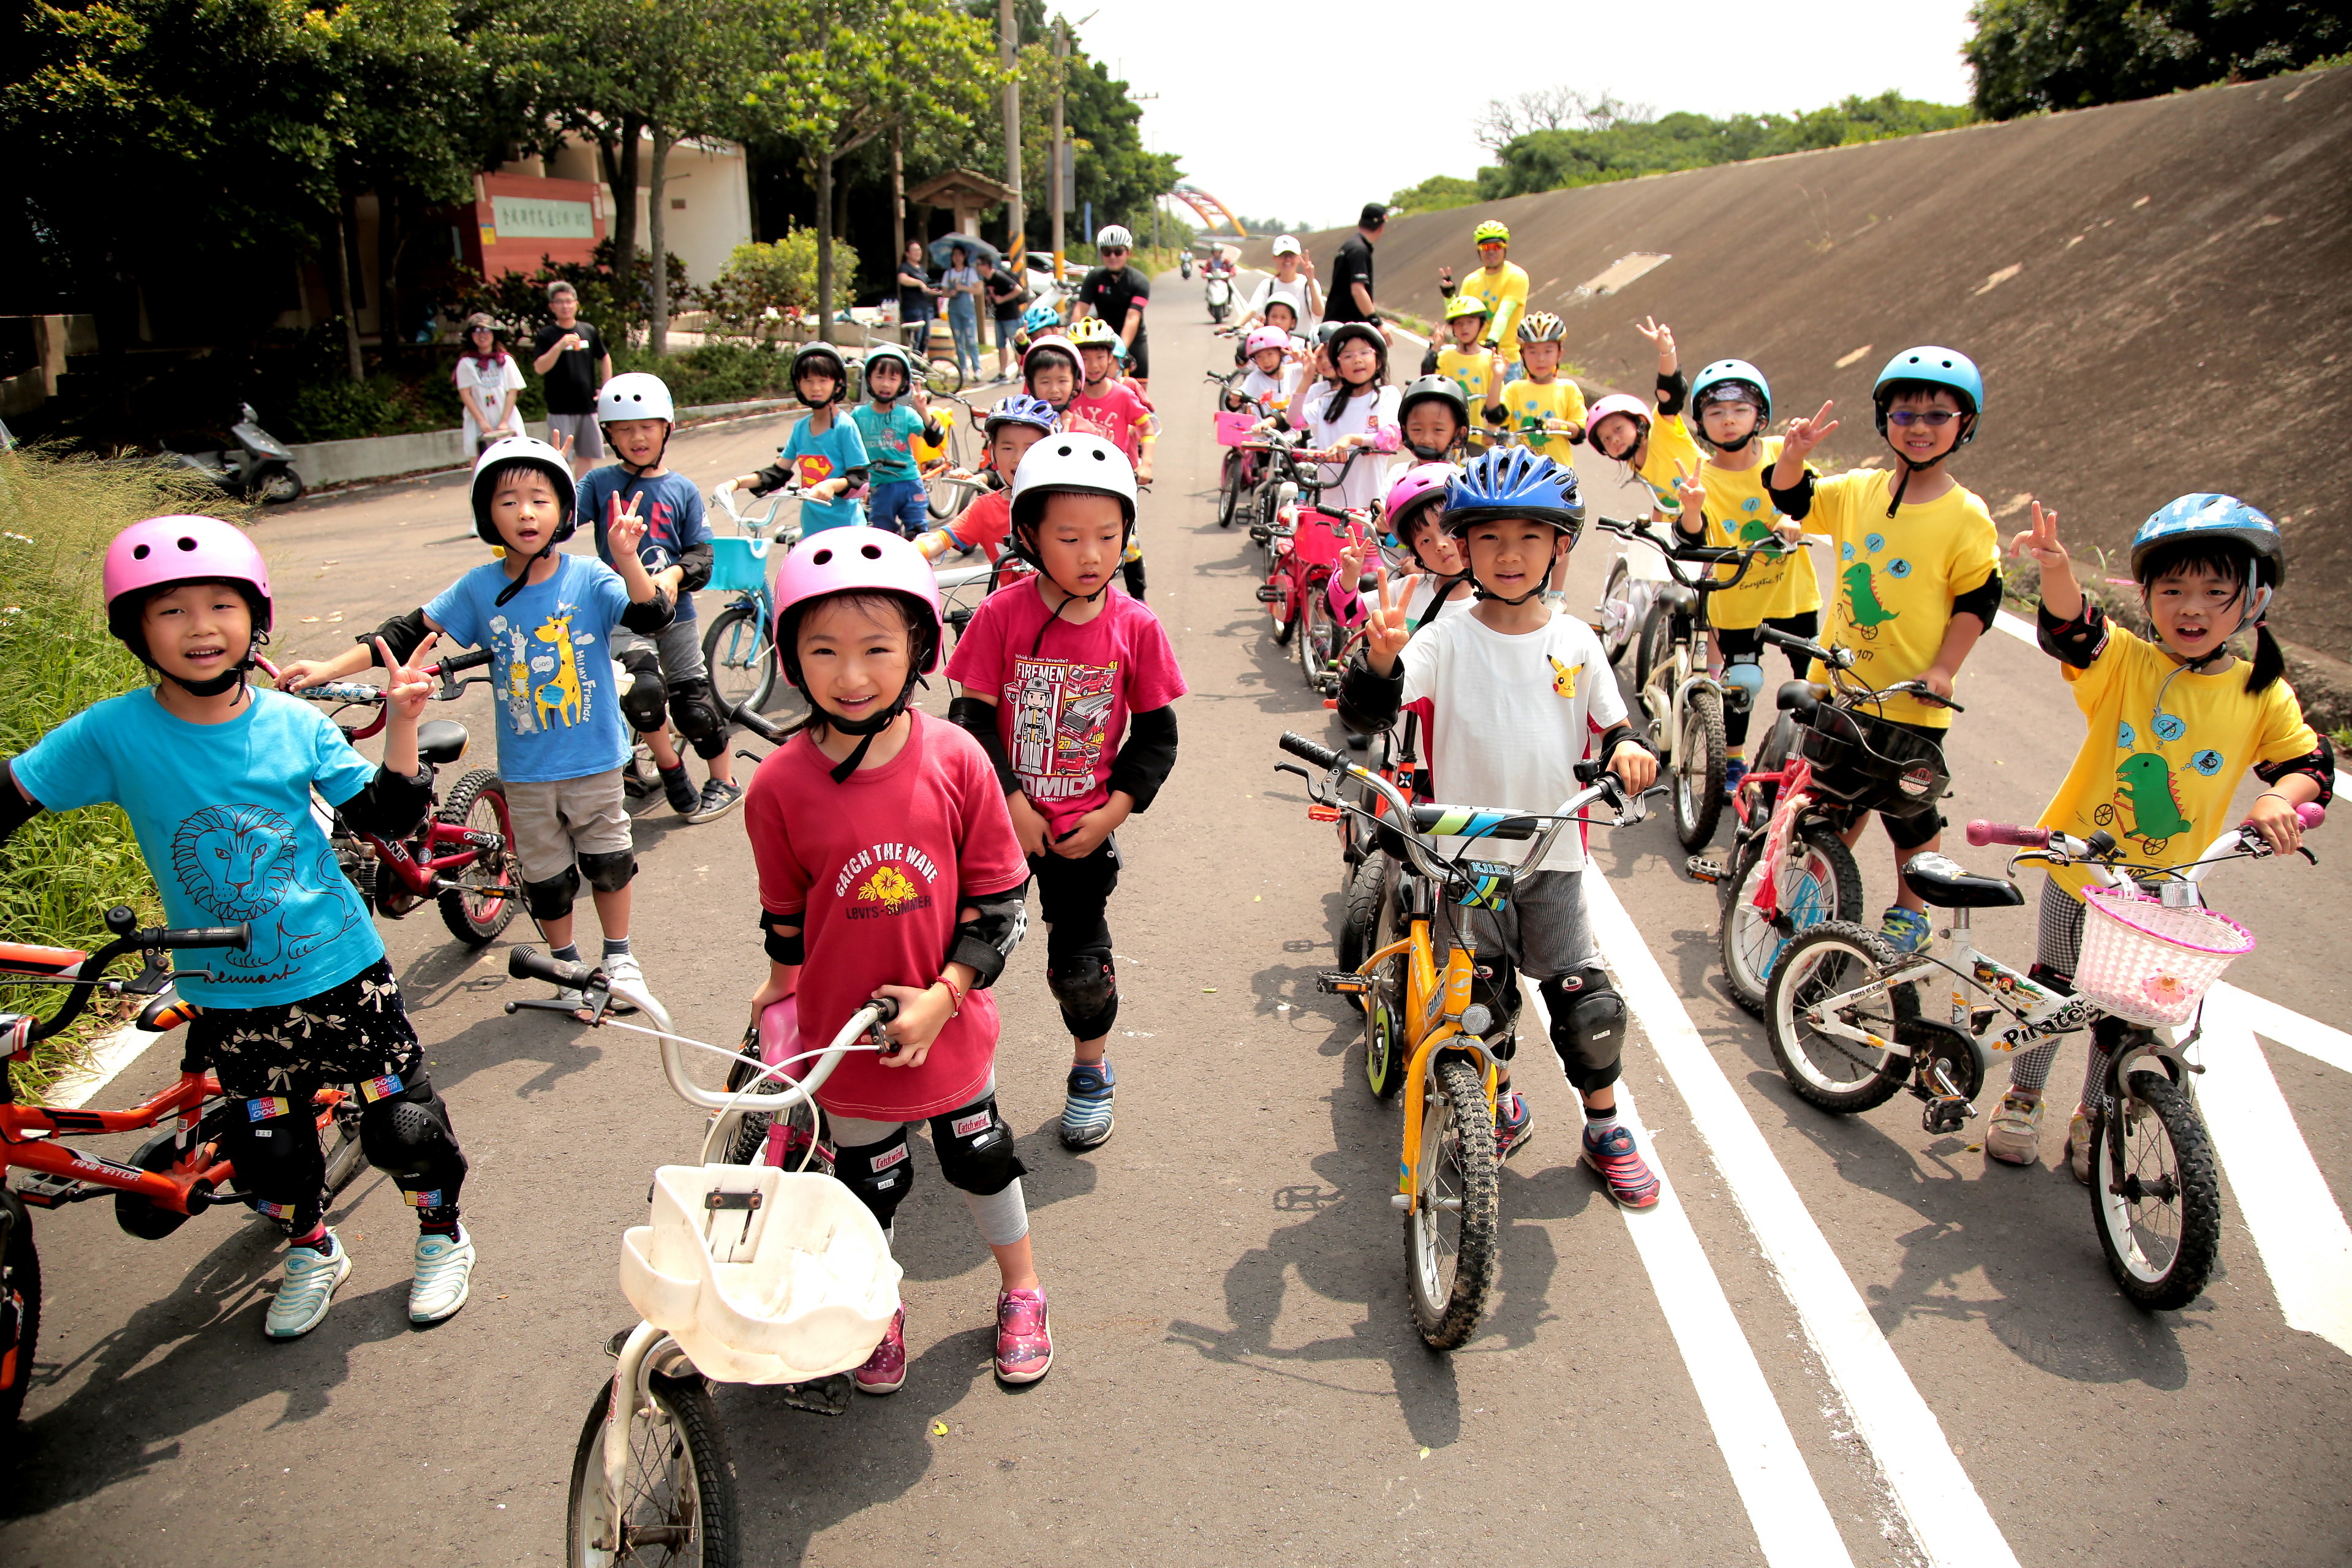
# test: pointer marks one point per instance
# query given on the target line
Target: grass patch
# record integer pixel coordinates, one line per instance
(60, 873)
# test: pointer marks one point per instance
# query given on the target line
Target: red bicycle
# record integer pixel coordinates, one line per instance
(177, 1173)
(458, 856)
(1306, 542)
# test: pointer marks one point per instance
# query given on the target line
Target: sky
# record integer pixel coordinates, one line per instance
(1259, 151)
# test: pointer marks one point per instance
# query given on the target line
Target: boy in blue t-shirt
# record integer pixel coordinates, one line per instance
(548, 620)
(635, 414)
(216, 776)
(825, 454)
(888, 427)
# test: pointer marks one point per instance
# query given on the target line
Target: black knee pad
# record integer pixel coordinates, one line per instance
(610, 873)
(975, 1149)
(695, 711)
(881, 1174)
(1588, 1026)
(408, 1136)
(551, 900)
(1088, 989)
(643, 705)
(273, 1141)
(1912, 832)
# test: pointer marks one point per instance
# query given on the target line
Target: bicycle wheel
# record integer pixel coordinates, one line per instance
(1617, 609)
(1836, 1073)
(1285, 623)
(20, 1310)
(478, 803)
(1229, 489)
(1316, 637)
(1361, 921)
(1453, 1236)
(345, 1157)
(1386, 1048)
(752, 1130)
(2154, 1194)
(944, 377)
(1655, 646)
(678, 1486)
(740, 656)
(1818, 882)
(1700, 754)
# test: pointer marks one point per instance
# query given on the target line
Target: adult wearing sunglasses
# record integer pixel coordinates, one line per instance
(1117, 293)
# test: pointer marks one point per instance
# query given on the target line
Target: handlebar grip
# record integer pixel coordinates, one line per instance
(342, 692)
(885, 1008)
(1780, 638)
(530, 964)
(1707, 555)
(1300, 746)
(2311, 814)
(1982, 833)
(1587, 772)
(207, 936)
(459, 663)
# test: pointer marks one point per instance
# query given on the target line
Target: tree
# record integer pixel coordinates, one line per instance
(1434, 193)
(1505, 120)
(2039, 55)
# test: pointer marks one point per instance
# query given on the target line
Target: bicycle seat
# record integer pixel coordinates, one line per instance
(440, 741)
(1470, 821)
(1949, 885)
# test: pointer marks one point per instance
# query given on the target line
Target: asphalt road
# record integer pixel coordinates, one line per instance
(1840, 1339)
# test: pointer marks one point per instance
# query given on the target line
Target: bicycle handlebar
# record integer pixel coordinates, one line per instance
(1982, 833)
(1299, 746)
(129, 938)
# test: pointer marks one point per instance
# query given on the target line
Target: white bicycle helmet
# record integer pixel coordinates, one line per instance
(1114, 237)
(1071, 462)
(634, 395)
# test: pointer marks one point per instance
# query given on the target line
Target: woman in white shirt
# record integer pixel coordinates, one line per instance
(487, 379)
(1348, 403)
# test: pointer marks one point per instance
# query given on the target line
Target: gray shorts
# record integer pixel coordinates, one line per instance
(556, 822)
(1543, 928)
(678, 645)
(587, 436)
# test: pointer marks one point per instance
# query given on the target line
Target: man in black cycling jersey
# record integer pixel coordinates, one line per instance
(1117, 293)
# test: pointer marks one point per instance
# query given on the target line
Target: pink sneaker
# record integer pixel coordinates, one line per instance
(885, 1371)
(1024, 1344)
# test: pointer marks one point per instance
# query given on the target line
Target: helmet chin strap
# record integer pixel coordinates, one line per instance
(867, 728)
(522, 578)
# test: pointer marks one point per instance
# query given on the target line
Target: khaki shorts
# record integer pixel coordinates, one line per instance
(560, 820)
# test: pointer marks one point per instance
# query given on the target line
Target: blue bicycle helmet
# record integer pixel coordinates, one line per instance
(2212, 519)
(1514, 482)
(1932, 366)
(1020, 408)
(1740, 374)
(1041, 317)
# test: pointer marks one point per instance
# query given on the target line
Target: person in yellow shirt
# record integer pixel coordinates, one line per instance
(1467, 358)
(1917, 567)
(1543, 412)
(1653, 444)
(1500, 285)
(2174, 726)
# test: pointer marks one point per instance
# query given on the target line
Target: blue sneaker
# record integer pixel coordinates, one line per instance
(1905, 930)
(1733, 772)
(1619, 1163)
(1086, 1114)
(1514, 1124)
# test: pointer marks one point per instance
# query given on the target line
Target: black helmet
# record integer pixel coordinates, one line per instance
(809, 354)
(1433, 389)
(1340, 332)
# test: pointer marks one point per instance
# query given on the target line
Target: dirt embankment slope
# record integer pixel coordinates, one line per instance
(2156, 292)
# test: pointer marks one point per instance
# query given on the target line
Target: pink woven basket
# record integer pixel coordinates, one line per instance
(2150, 962)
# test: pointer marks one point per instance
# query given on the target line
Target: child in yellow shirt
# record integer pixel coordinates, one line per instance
(1474, 366)
(1544, 413)
(1653, 444)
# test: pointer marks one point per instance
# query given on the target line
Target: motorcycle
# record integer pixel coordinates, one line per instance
(1220, 291)
(1184, 264)
(261, 468)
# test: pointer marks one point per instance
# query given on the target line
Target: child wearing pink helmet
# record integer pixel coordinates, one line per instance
(1273, 376)
(215, 775)
(882, 844)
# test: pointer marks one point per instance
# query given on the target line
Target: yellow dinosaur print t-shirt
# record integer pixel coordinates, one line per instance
(2162, 761)
(1739, 511)
(1670, 449)
(1535, 414)
(1895, 578)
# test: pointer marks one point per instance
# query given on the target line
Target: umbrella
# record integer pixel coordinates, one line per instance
(975, 249)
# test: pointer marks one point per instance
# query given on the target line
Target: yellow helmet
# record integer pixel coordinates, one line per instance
(1092, 333)
(1542, 327)
(1491, 230)
(1465, 304)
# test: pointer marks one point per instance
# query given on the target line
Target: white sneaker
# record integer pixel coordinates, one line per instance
(2078, 1147)
(307, 1290)
(2014, 1137)
(445, 1275)
(627, 979)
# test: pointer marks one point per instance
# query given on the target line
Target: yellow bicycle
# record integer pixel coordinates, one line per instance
(1440, 1029)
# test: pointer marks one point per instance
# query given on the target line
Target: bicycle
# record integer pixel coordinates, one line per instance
(1823, 766)
(943, 467)
(1305, 546)
(1238, 474)
(1432, 1027)
(177, 1174)
(940, 379)
(458, 857)
(738, 646)
(1848, 1029)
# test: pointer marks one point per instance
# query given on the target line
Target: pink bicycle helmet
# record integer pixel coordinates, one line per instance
(1419, 486)
(1615, 403)
(166, 552)
(1263, 338)
(855, 560)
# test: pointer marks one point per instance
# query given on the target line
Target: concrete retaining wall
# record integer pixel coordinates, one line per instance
(322, 463)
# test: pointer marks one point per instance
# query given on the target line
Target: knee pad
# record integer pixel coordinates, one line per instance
(551, 900)
(977, 1154)
(1912, 832)
(881, 1174)
(1588, 1026)
(1743, 682)
(609, 873)
(695, 711)
(642, 705)
(1088, 989)
(273, 1144)
(408, 1136)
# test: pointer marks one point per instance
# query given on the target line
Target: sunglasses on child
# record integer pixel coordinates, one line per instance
(1933, 418)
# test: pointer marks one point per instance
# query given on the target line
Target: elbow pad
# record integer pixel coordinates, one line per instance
(1672, 391)
(2319, 764)
(1144, 763)
(390, 804)
(1495, 414)
(978, 720)
(15, 810)
(987, 943)
(1368, 701)
(694, 566)
(1983, 600)
(789, 947)
(2078, 643)
(933, 431)
(1795, 503)
(649, 617)
(401, 634)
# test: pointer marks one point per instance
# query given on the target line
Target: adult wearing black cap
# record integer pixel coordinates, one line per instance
(1350, 290)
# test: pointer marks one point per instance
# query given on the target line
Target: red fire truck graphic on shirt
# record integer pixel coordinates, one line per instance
(1061, 712)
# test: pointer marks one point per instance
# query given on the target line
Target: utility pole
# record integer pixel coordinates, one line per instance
(1016, 217)
(1061, 155)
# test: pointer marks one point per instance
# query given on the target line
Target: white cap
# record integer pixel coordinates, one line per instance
(1287, 245)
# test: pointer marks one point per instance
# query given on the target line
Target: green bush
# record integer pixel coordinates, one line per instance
(779, 275)
(59, 874)
(715, 373)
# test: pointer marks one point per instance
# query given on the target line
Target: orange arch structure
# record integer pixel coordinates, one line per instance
(1208, 209)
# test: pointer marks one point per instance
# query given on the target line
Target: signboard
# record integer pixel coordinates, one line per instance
(523, 222)
(539, 217)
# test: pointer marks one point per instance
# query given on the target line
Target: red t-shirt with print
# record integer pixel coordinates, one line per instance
(1063, 699)
(877, 868)
(1119, 414)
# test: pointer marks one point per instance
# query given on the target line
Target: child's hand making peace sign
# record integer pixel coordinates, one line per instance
(1385, 632)
(2062, 593)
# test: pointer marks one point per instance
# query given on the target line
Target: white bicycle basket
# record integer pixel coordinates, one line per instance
(2150, 963)
(760, 1275)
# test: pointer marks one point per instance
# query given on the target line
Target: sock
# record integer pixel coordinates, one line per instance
(319, 1238)
(667, 771)
(1599, 1125)
(614, 945)
(1735, 753)
(568, 954)
(447, 1227)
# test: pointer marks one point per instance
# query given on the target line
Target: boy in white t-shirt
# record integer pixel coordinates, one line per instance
(1517, 698)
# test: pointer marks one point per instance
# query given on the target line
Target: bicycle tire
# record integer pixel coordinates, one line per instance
(1701, 755)
(1750, 945)
(740, 657)
(1283, 626)
(346, 1158)
(1229, 490)
(944, 377)
(1359, 923)
(751, 1128)
(685, 1427)
(1831, 959)
(1655, 647)
(474, 920)
(1619, 591)
(1457, 1134)
(20, 1282)
(1314, 638)
(1385, 1050)
(2171, 1283)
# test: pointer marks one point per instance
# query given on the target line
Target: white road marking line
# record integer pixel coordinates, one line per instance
(1792, 1522)
(2306, 1246)
(107, 1059)
(2288, 1028)
(1947, 1517)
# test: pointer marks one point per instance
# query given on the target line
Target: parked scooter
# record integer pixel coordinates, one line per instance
(260, 469)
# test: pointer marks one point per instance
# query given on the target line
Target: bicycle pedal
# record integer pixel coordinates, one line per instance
(1268, 594)
(1343, 982)
(1704, 870)
(1945, 1113)
(44, 1189)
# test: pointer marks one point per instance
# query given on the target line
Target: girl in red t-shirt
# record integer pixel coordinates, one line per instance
(888, 868)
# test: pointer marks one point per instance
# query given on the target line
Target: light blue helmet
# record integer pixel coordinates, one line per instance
(1738, 375)
(2209, 518)
(1932, 366)
(1041, 317)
